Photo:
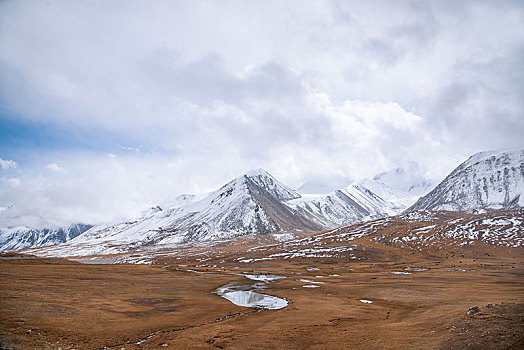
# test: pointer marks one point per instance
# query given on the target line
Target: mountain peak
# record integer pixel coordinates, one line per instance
(274, 187)
(257, 172)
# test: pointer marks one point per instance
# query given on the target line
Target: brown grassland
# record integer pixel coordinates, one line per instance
(56, 303)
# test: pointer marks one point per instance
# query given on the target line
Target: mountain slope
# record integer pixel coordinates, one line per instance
(362, 200)
(15, 238)
(487, 180)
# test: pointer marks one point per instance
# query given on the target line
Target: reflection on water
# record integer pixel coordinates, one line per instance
(241, 294)
(263, 278)
(95, 261)
(253, 299)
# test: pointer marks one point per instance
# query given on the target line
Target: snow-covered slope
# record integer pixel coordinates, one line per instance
(181, 201)
(363, 200)
(487, 180)
(16, 238)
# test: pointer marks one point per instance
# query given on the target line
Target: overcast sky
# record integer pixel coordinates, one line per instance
(108, 107)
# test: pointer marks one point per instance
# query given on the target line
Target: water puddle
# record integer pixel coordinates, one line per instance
(312, 268)
(254, 299)
(241, 293)
(95, 261)
(262, 278)
(309, 281)
(238, 292)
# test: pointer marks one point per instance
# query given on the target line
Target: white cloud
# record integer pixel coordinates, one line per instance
(55, 167)
(14, 182)
(8, 164)
(332, 141)
(307, 90)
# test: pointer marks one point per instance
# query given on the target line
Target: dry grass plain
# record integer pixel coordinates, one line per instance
(55, 303)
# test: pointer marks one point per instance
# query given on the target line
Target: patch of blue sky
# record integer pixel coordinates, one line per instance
(19, 136)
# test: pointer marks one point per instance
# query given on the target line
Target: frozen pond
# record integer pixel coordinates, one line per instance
(242, 294)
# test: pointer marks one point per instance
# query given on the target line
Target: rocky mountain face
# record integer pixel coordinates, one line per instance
(487, 180)
(15, 238)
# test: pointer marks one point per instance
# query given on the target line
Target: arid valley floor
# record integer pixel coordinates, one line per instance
(353, 288)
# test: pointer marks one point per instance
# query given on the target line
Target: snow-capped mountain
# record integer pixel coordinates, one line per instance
(487, 180)
(251, 203)
(362, 200)
(410, 179)
(16, 238)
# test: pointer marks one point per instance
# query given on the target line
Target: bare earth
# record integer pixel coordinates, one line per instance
(55, 303)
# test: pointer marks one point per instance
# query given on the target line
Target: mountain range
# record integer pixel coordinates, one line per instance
(15, 238)
(252, 203)
(256, 202)
(362, 200)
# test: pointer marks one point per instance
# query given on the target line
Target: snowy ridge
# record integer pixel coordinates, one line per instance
(363, 200)
(487, 180)
(20, 237)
